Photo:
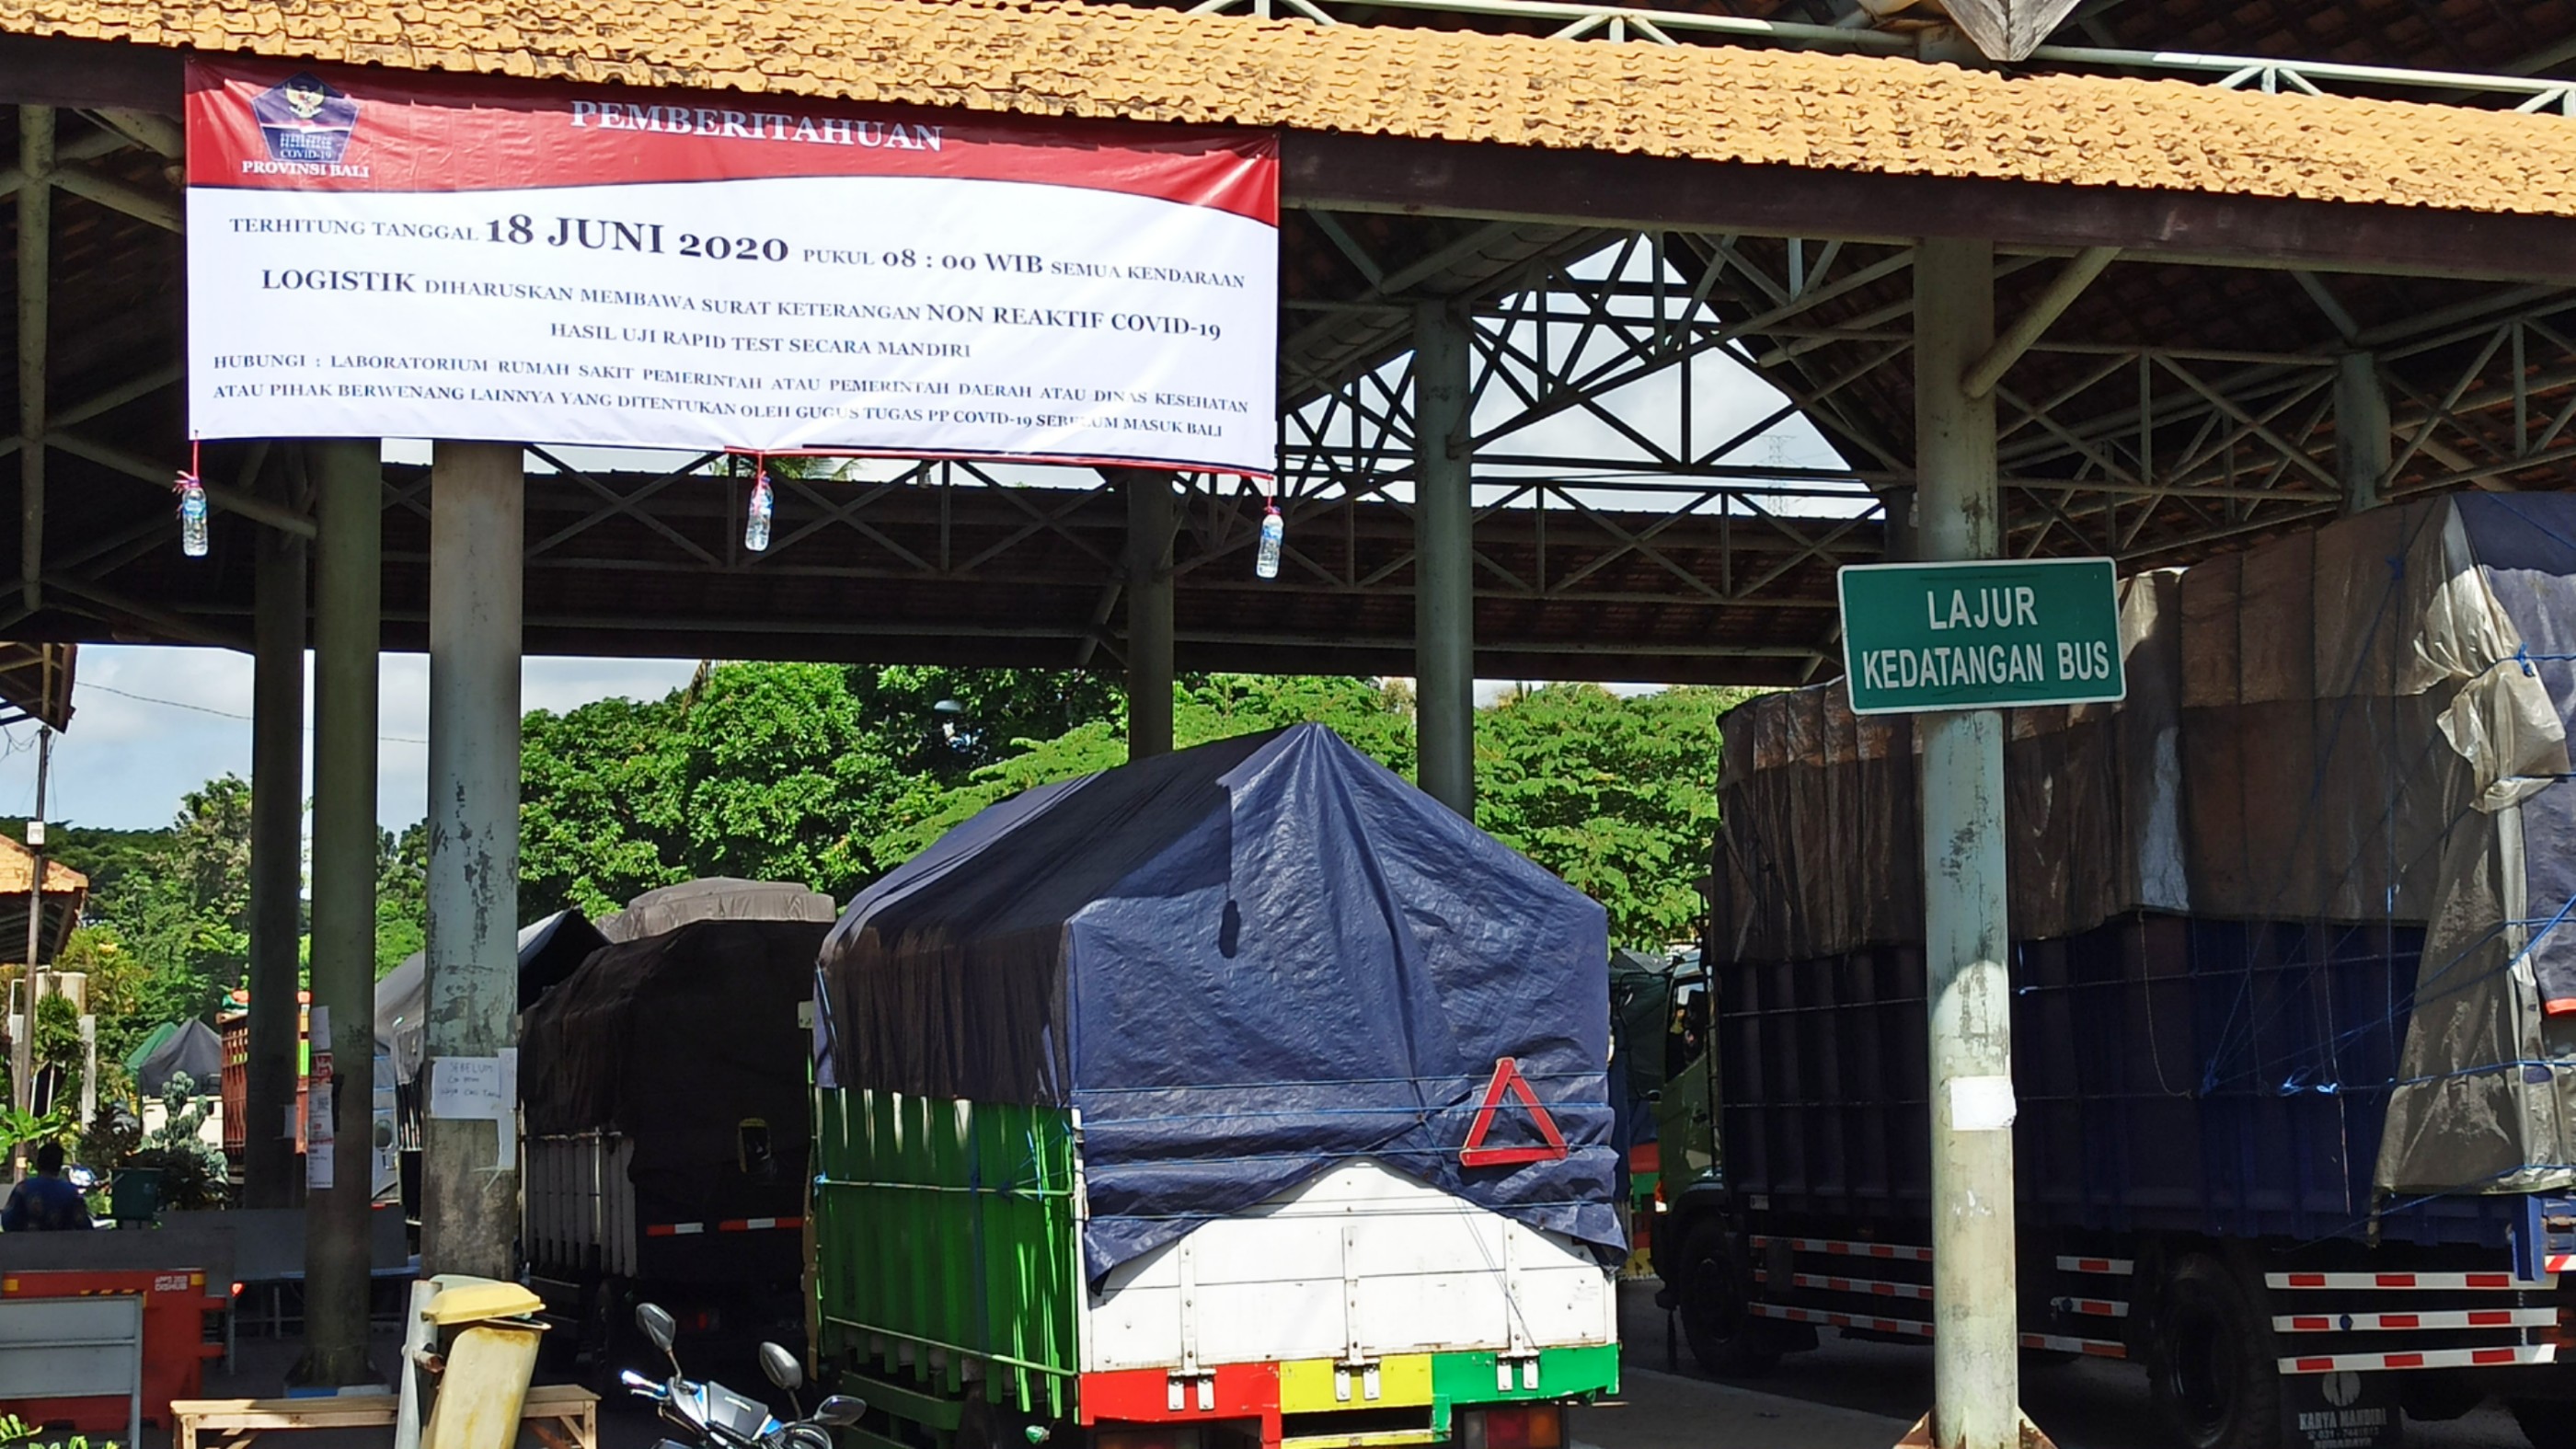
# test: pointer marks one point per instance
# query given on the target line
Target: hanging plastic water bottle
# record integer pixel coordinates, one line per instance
(192, 516)
(1274, 531)
(764, 503)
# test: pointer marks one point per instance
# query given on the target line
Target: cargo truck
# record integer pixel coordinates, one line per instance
(1240, 1096)
(664, 1101)
(2294, 1000)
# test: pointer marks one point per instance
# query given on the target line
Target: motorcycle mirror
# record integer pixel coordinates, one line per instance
(840, 1411)
(782, 1367)
(658, 1324)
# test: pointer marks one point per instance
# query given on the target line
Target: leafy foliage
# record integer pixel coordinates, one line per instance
(171, 907)
(831, 777)
(1375, 718)
(58, 1123)
(192, 1169)
(402, 896)
(1616, 794)
(800, 772)
(114, 1134)
(599, 819)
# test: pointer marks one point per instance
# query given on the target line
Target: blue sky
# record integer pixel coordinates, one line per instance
(153, 723)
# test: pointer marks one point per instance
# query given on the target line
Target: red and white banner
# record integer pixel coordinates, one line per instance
(373, 254)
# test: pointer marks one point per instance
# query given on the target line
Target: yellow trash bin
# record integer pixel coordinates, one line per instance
(487, 1336)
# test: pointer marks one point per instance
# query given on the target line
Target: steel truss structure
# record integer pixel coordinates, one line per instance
(1677, 435)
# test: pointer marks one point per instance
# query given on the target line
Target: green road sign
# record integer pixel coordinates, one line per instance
(1982, 635)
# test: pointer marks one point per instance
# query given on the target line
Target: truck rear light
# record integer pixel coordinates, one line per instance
(1520, 1426)
(1148, 1436)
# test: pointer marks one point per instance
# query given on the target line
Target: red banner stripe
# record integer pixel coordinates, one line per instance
(285, 126)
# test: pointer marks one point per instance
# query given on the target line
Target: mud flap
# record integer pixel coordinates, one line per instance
(2340, 1411)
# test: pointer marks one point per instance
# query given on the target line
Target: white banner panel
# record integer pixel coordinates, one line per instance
(374, 255)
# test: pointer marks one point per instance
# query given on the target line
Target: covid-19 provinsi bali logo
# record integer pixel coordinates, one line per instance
(305, 120)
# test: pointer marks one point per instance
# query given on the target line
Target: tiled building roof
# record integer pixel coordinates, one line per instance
(16, 869)
(1785, 108)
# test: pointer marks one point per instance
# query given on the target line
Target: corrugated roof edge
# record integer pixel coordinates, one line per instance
(1764, 107)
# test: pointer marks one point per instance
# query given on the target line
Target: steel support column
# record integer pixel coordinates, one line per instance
(470, 1187)
(348, 603)
(2362, 447)
(276, 861)
(35, 308)
(1900, 504)
(1444, 563)
(1149, 610)
(1976, 1384)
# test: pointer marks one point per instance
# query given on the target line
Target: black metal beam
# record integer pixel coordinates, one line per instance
(1586, 188)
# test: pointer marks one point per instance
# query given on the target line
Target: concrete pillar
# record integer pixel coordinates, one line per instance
(347, 609)
(470, 1184)
(1444, 565)
(1976, 1368)
(1150, 517)
(269, 1167)
(2362, 448)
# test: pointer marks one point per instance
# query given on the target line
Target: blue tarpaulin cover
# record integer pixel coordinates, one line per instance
(1242, 964)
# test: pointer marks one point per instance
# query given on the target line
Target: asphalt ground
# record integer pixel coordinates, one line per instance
(2088, 1404)
(1846, 1395)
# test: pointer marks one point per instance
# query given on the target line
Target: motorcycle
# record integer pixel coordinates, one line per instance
(716, 1417)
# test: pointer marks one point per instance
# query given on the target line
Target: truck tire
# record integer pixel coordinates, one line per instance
(604, 1342)
(2547, 1423)
(2211, 1362)
(1724, 1337)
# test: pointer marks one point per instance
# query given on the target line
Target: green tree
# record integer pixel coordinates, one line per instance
(833, 776)
(991, 714)
(780, 776)
(402, 895)
(173, 903)
(599, 804)
(1618, 795)
(773, 771)
(1376, 717)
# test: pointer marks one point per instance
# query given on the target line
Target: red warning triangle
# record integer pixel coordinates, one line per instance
(1508, 1078)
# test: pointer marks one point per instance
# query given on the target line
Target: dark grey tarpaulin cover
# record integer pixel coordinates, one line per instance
(687, 1044)
(1242, 964)
(194, 1049)
(548, 951)
(671, 1030)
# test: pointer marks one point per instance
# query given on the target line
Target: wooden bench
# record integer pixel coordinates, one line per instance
(563, 1416)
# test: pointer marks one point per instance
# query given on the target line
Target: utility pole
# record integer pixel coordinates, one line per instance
(22, 1048)
(477, 531)
(1976, 1340)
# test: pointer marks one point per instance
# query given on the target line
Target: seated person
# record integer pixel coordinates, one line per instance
(45, 1202)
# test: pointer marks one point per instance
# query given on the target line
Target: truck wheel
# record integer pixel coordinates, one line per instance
(2211, 1362)
(1724, 1337)
(2547, 1423)
(602, 1344)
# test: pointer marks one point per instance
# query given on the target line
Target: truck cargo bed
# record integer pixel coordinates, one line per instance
(2172, 1074)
